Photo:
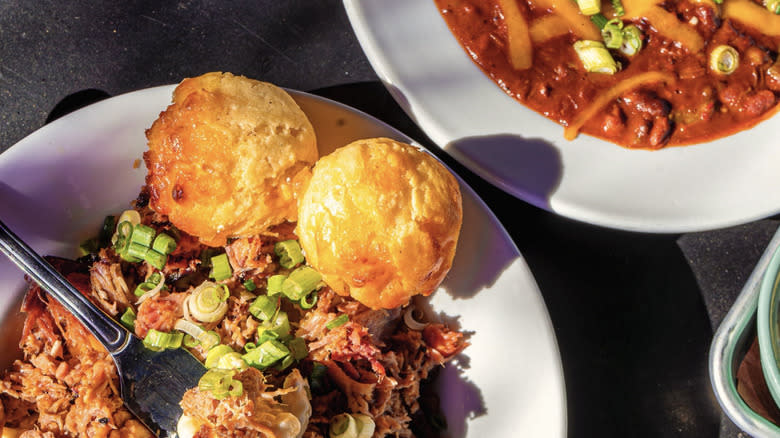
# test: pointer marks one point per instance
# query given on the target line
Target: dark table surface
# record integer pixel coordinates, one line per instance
(634, 313)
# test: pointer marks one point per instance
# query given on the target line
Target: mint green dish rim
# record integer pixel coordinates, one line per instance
(767, 325)
(731, 340)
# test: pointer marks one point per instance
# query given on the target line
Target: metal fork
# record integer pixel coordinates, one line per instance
(152, 383)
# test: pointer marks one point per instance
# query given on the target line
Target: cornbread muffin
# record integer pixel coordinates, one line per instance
(229, 157)
(380, 221)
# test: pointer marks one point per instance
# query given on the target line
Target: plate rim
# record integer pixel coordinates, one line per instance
(633, 219)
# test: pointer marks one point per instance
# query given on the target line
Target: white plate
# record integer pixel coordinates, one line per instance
(57, 185)
(678, 189)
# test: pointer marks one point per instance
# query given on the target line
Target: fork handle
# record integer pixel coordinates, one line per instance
(112, 335)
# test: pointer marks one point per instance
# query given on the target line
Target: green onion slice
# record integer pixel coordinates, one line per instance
(131, 217)
(266, 354)
(128, 319)
(724, 60)
(220, 267)
(618, 6)
(142, 235)
(263, 308)
(365, 425)
(301, 282)
(308, 301)
(275, 283)
(289, 252)
(298, 348)
(280, 324)
(613, 34)
(147, 289)
(157, 340)
(207, 303)
(156, 259)
(164, 244)
(599, 20)
(595, 57)
(343, 426)
(589, 7)
(221, 384)
(216, 353)
(632, 40)
(231, 361)
(250, 285)
(338, 321)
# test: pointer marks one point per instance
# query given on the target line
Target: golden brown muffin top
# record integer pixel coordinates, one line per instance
(380, 221)
(229, 157)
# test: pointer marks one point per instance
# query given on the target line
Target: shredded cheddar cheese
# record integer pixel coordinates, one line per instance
(578, 23)
(520, 48)
(667, 24)
(571, 131)
(754, 15)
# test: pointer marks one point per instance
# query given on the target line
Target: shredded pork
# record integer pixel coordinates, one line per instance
(374, 364)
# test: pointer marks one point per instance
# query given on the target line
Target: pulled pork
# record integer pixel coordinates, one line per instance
(374, 364)
(67, 384)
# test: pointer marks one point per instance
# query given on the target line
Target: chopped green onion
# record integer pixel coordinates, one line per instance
(301, 282)
(157, 340)
(131, 217)
(263, 308)
(589, 7)
(724, 60)
(236, 388)
(266, 354)
(209, 339)
(144, 288)
(155, 277)
(189, 341)
(221, 384)
(305, 303)
(279, 324)
(220, 268)
(366, 425)
(149, 288)
(164, 244)
(618, 6)
(137, 251)
(613, 34)
(231, 361)
(128, 319)
(250, 285)
(249, 346)
(632, 40)
(266, 334)
(216, 353)
(343, 426)
(338, 321)
(289, 252)
(156, 259)
(595, 57)
(275, 283)
(298, 348)
(207, 302)
(773, 6)
(286, 362)
(599, 20)
(143, 235)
